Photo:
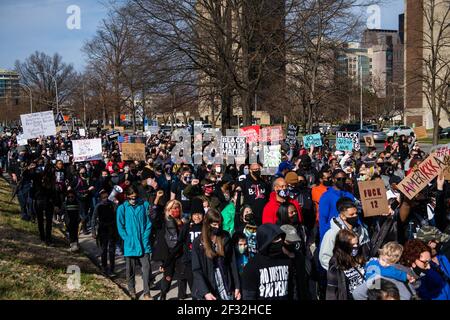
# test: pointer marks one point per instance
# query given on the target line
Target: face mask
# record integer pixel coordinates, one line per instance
(328, 183)
(167, 170)
(302, 184)
(291, 247)
(355, 251)
(257, 174)
(249, 217)
(246, 171)
(352, 221)
(227, 197)
(132, 201)
(175, 213)
(294, 220)
(208, 190)
(242, 249)
(187, 179)
(126, 169)
(215, 231)
(283, 193)
(419, 271)
(275, 249)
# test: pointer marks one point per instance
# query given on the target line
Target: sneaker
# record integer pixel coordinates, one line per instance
(133, 296)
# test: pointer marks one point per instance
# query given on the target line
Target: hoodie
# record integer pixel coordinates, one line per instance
(267, 277)
(327, 245)
(327, 208)
(271, 208)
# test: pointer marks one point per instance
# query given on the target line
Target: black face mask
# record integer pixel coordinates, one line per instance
(419, 271)
(249, 217)
(257, 174)
(291, 247)
(353, 221)
(302, 185)
(215, 231)
(294, 220)
(328, 183)
(275, 249)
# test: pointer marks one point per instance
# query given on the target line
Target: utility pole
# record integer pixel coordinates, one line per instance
(361, 85)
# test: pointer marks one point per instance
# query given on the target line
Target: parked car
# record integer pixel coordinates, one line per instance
(378, 136)
(399, 130)
(444, 133)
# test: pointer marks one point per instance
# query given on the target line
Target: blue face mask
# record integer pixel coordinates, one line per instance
(246, 171)
(283, 193)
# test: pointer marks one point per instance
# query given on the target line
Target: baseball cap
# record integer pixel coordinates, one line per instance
(291, 233)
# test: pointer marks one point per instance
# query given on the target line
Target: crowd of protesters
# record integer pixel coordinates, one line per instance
(231, 232)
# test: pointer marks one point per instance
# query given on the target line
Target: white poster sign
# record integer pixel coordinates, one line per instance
(87, 150)
(38, 124)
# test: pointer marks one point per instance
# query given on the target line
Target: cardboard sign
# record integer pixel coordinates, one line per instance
(38, 124)
(250, 133)
(412, 184)
(291, 135)
(373, 198)
(441, 150)
(87, 150)
(421, 132)
(312, 139)
(133, 151)
(234, 146)
(347, 141)
(369, 140)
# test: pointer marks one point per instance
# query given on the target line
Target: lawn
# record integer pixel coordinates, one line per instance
(29, 270)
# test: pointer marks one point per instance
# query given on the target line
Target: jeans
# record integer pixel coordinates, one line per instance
(22, 196)
(131, 263)
(108, 246)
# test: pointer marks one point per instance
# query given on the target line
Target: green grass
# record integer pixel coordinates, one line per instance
(31, 271)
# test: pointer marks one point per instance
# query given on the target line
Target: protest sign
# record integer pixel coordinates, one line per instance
(233, 146)
(272, 156)
(369, 140)
(428, 169)
(82, 132)
(21, 140)
(59, 120)
(133, 151)
(441, 150)
(251, 133)
(312, 139)
(112, 135)
(373, 198)
(38, 124)
(87, 150)
(291, 135)
(421, 132)
(63, 156)
(271, 134)
(347, 141)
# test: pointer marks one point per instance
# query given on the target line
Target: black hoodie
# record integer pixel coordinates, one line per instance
(267, 277)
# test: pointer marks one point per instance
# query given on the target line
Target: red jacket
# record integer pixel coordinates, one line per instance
(271, 208)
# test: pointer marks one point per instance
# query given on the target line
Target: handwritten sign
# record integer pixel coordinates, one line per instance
(312, 139)
(428, 169)
(21, 140)
(421, 132)
(87, 150)
(291, 135)
(369, 140)
(233, 146)
(133, 151)
(347, 141)
(82, 132)
(373, 198)
(63, 156)
(38, 124)
(271, 134)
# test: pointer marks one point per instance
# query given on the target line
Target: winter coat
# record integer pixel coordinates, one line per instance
(271, 208)
(134, 226)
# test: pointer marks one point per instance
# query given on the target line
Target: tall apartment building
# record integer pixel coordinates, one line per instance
(9, 85)
(355, 61)
(386, 50)
(417, 109)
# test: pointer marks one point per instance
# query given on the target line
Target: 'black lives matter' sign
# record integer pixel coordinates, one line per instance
(233, 146)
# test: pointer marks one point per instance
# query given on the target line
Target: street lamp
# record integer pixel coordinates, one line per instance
(31, 96)
(56, 88)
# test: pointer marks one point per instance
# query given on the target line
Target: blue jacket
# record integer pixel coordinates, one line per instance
(373, 267)
(433, 286)
(327, 208)
(134, 226)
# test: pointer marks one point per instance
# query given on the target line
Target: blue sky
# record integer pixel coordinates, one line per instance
(30, 25)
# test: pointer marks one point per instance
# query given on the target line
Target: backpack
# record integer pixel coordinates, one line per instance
(387, 232)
